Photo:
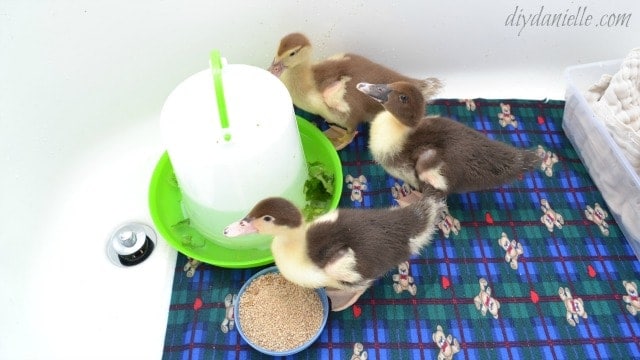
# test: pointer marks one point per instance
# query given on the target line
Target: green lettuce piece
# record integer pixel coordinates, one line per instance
(318, 190)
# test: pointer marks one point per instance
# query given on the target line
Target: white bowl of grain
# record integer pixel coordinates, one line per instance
(277, 317)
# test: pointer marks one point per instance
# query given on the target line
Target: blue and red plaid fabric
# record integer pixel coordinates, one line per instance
(490, 285)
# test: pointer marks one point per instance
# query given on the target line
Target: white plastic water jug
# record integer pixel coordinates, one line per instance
(232, 138)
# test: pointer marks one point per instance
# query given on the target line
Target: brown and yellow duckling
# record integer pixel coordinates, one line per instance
(438, 151)
(345, 250)
(328, 88)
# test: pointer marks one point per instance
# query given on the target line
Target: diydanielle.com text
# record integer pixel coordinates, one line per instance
(580, 17)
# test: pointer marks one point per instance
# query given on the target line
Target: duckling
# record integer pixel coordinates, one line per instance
(345, 250)
(328, 89)
(438, 151)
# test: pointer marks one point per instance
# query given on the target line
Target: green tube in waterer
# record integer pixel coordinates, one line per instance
(215, 62)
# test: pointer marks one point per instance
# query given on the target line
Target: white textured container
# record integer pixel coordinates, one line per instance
(221, 180)
(611, 171)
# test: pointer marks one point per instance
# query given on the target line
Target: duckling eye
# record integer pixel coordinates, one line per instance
(293, 53)
(267, 218)
(404, 99)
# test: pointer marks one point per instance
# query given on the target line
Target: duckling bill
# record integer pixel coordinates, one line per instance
(344, 250)
(437, 151)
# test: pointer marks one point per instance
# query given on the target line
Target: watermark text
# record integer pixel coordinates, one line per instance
(521, 18)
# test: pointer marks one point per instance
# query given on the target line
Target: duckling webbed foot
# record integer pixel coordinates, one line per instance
(342, 299)
(340, 137)
(414, 196)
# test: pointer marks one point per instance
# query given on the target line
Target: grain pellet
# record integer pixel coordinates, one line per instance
(278, 315)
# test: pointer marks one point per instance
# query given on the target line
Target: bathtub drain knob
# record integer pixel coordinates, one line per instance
(128, 238)
(131, 244)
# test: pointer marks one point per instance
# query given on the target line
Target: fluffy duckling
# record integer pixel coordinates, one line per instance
(438, 151)
(344, 250)
(328, 88)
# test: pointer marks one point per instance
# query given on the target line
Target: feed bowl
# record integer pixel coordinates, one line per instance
(166, 208)
(240, 326)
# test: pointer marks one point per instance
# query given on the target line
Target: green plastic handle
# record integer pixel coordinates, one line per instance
(215, 61)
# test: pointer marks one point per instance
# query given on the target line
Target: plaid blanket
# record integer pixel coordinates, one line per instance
(535, 269)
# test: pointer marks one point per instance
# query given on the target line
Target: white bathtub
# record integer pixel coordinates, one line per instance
(81, 88)
(71, 301)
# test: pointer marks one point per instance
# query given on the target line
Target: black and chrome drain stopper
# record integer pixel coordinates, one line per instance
(131, 244)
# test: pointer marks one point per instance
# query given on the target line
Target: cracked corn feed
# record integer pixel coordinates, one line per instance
(278, 315)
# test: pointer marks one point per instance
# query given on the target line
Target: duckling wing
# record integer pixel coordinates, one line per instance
(431, 170)
(331, 77)
(333, 95)
(336, 78)
(470, 160)
(363, 244)
(440, 149)
(342, 266)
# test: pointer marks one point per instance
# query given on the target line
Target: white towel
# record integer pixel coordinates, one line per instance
(615, 100)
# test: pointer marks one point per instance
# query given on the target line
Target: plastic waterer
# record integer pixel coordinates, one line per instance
(232, 139)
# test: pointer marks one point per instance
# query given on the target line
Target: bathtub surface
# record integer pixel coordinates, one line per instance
(70, 301)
